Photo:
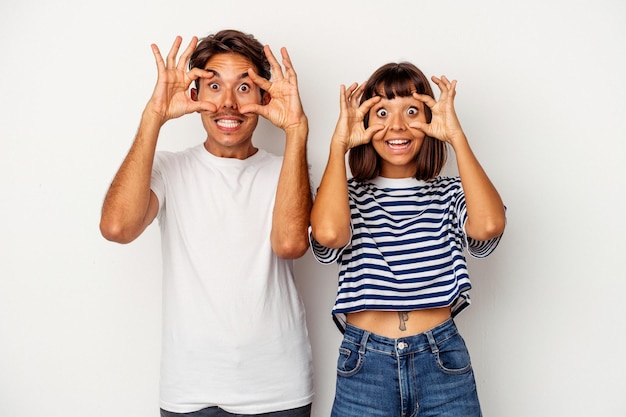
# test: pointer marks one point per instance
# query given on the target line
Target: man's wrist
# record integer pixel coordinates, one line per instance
(152, 116)
(300, 129)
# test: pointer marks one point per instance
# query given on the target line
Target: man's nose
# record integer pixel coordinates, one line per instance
(230, 101)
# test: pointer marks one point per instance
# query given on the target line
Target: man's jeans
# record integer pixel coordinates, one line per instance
(218, 412)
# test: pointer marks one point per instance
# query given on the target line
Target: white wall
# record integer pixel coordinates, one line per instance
(541, 96)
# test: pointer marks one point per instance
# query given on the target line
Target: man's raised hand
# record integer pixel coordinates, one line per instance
(170, 98)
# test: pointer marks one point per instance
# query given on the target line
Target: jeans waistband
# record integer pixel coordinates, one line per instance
(427, 340)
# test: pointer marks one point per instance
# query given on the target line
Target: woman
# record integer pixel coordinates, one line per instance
(398, 231)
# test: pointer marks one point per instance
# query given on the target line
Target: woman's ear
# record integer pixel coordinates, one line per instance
(194, 94)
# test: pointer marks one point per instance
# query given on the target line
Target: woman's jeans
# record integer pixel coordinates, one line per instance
(429, 374)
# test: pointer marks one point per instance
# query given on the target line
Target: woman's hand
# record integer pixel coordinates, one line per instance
(350, 130)
(444, 124)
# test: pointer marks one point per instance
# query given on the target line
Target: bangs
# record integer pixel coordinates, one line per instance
(396, 82)
(396, 79)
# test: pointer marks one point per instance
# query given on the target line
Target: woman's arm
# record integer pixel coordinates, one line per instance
(330, 217)
(485, 210)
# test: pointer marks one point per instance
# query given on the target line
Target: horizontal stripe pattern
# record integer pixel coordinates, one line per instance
(407, 247)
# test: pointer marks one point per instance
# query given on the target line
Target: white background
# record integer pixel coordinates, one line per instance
(541, 96)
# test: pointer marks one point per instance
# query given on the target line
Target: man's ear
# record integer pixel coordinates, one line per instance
(194, 94)
(267, 97)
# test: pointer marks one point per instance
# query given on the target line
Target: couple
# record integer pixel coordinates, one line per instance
(234, 217)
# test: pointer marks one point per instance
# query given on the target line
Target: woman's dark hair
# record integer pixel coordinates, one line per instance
(390, 81)
(231, 41)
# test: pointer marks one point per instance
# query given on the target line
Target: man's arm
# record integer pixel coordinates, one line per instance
(292, 207)
(130, 206)
(283, 108)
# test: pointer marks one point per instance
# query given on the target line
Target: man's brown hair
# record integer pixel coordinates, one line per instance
(231, 41)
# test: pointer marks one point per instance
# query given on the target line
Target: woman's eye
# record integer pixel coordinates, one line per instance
(381, 112)
(214, 86)
(244, 88)
(413, 111)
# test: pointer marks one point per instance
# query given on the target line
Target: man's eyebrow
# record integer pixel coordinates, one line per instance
(217, 74)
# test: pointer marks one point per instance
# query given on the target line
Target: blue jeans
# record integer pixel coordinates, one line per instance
(429, 374)
(304, 411)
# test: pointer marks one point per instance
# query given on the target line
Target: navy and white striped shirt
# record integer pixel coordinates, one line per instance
(406, 251)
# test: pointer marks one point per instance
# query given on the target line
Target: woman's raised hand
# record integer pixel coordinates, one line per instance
(444, 124)
(350, 130)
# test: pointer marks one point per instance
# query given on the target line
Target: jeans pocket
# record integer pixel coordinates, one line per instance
(350, 360)
(452, 356)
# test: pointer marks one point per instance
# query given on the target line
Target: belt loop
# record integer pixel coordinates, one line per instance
(432, 342)
(364, 338)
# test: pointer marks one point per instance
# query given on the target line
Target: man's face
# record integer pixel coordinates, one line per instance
(229, 132)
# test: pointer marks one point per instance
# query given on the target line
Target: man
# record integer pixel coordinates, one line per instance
(232, 217)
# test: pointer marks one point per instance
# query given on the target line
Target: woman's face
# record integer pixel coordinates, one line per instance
(398, 143)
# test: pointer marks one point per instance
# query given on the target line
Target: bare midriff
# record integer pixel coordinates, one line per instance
(395, 324)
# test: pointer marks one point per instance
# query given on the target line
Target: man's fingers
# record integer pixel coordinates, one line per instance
(158, 57)
(184, 58)
(289, 69)
(204, 107)
(258, 80)
(171, 56)
(196, 73)
(277, 71)
(254, 108)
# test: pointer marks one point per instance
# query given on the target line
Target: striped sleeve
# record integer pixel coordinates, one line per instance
(476, 248)
(323, 254)
(482, 248)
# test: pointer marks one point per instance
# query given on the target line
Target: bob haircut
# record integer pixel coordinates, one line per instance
(231, 41)
(390, 81)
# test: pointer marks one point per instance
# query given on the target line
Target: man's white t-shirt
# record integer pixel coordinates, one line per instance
(234, 330)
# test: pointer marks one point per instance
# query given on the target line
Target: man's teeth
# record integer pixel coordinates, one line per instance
(228, 124)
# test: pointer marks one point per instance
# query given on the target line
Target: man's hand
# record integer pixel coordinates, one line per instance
(281, 104)
(171, 98)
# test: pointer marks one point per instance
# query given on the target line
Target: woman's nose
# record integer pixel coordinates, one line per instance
(397, 122)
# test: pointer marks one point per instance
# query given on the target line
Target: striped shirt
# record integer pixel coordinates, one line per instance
(406, 251)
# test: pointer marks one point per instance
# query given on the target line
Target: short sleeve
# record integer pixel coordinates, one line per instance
(476, 248)
(481, 248)
(157, 182)
(323, 254)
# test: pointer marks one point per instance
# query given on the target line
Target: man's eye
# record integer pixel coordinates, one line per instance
(413, 111)
(244, 88)
(214, 86)
(381, 112)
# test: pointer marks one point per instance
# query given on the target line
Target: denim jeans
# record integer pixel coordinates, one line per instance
(304, 411)
(429, 374)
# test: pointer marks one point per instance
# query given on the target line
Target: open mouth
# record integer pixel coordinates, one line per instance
(228, 123)
(398, 143)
